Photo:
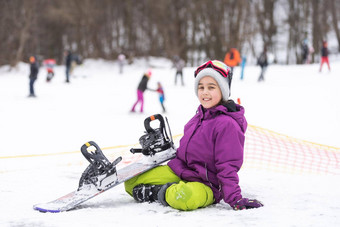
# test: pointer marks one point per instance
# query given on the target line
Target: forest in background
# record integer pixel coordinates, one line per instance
(193, 29)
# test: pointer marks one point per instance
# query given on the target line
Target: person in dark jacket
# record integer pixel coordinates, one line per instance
(324, 56)
(262, 61)
(68, 64)
(305, 51)
(34, 70)
(210, 153)
(142, 86)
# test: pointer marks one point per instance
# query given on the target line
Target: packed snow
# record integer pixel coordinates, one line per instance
(40, 140)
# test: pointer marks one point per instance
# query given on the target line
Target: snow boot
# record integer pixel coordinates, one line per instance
(151, 193)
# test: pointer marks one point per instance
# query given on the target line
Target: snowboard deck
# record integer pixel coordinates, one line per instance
(73, 199)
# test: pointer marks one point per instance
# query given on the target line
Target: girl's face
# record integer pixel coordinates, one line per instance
(209, 93)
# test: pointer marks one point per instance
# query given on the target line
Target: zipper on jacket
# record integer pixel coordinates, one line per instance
(186, 148)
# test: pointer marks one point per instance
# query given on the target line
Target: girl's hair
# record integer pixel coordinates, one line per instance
(230, 104)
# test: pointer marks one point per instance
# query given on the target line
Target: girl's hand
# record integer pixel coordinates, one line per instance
(245, 203)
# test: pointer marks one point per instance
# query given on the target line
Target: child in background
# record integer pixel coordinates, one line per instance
(160, 91)
(49, 64)
(210, 152)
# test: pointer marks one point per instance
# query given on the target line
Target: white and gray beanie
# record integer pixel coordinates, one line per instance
(223, 82)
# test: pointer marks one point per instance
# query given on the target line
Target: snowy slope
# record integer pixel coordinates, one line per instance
(39, 158)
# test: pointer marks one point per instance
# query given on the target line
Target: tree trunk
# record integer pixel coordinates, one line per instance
(335, 22)
(317, 39)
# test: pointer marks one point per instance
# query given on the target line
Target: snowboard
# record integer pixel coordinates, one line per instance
(75, 198)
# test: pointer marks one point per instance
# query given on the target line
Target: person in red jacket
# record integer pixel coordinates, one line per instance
(210, 153)
(49, 64)
(232, 58)
(324, 55)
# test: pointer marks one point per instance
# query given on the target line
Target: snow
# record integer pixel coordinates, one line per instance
(41, 137)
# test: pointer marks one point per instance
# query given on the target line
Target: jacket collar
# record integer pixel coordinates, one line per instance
(211, 112)
(237, 115)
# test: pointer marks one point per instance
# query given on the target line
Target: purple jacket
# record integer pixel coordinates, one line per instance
(211, 151)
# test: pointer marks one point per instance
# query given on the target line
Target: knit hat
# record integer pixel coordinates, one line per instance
(220, 72)
(148, 72)
(32, 59)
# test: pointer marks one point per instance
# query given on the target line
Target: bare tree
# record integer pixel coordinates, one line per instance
(334, 9)
(193, 29)
(298, 14)
(265, 10)
(317, 36)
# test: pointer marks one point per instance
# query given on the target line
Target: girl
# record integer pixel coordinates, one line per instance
(210, 152)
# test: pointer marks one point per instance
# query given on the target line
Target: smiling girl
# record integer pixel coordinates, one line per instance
(210, 152)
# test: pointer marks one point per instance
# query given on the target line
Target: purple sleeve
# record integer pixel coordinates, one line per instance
(228, 159)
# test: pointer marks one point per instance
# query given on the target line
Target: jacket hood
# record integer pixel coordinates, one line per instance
(234, 111)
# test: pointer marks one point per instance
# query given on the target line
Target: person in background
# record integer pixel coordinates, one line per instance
(210, 154)
(34, 70)
(121, 62)
(262, 61)
(160, 92)
(324, 56)
(49, 64)
(68, 64)
(179, 65)
(232, 58)
(142, 86)
(76, 60)
(243, 65)
(305, 51)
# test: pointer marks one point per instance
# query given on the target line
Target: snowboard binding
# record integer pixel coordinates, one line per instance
(155, 140)
(100, 167)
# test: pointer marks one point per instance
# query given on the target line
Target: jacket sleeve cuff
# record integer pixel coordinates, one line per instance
(235, 200)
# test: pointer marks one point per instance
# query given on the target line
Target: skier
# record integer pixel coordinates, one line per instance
(179, 65)
(34, 70)
(140, 91)
(210, 152)
(49, 64)
(262, 61)
(324, 55)
(232, 58)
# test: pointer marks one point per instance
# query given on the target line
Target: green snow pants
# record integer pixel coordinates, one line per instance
(181, 196)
